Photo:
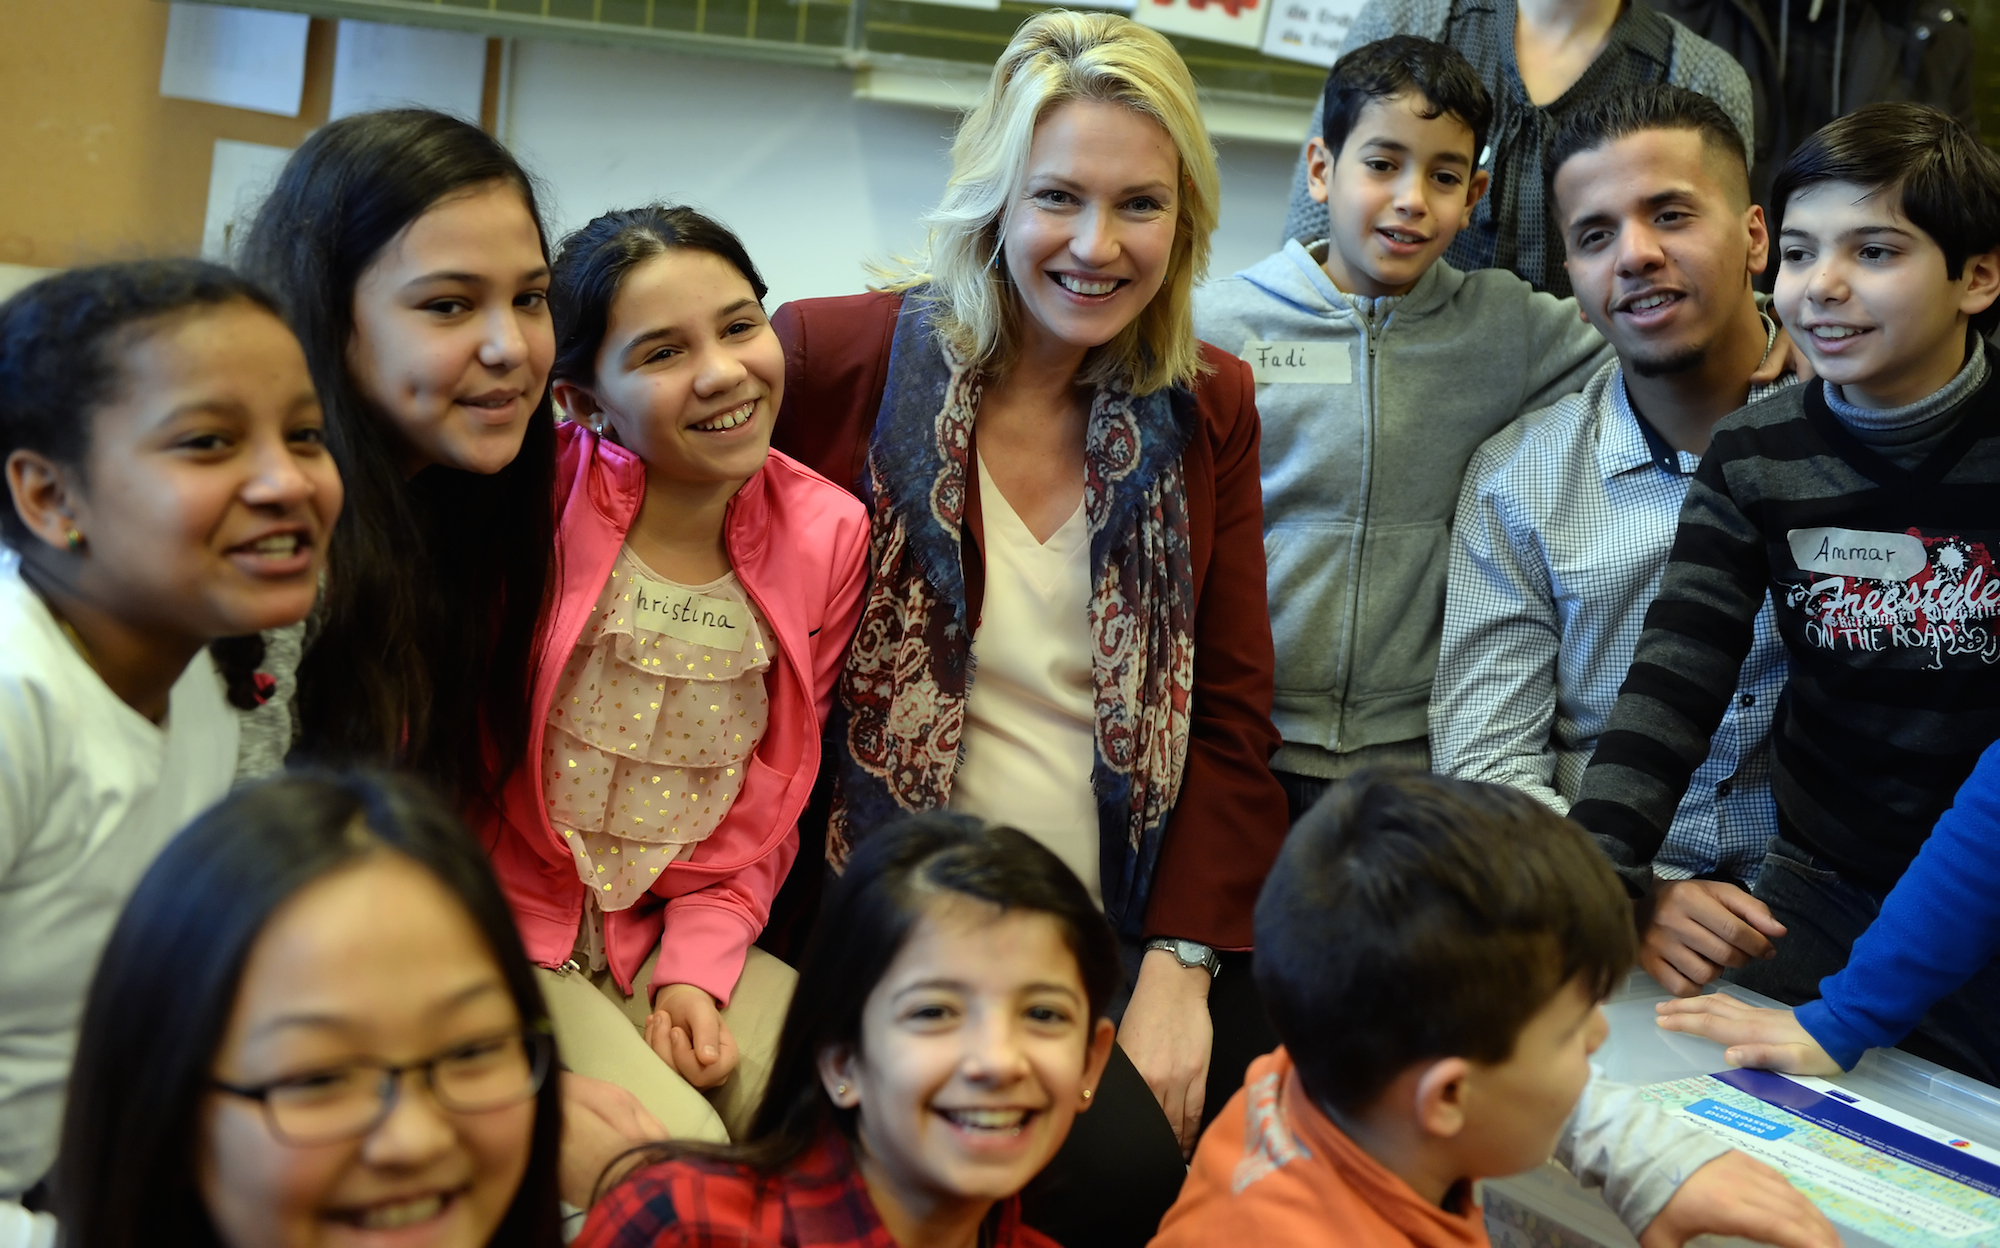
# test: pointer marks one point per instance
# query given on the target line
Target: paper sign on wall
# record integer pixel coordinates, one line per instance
(386, 66)
(1240, 22)
(245, 58)
(239, 178)
(1309, 30)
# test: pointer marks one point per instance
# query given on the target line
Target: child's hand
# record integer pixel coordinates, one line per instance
(688, 1033)
(1766, 1039)
(1701, 926)
(1735, 1195)
(600, 1122)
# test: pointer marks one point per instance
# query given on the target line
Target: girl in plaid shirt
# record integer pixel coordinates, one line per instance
(932, 1062)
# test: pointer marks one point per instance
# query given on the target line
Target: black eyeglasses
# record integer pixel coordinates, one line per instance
(348, 1101)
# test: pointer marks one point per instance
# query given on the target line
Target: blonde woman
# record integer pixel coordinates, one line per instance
(1064, 499)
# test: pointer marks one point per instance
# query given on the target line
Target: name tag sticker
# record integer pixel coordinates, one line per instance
(1312, 363)
(717, 623)
(1851, 552)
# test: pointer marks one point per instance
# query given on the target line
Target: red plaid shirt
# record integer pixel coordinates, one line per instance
(818, 1202)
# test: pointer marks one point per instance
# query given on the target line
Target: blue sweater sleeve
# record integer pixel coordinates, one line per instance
(1939, 926)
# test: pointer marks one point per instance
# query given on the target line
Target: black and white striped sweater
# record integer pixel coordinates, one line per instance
(1885, 582)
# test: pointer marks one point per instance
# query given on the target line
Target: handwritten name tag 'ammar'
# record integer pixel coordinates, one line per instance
(718, 623)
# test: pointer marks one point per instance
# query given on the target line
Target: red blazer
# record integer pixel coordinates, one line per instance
(1230, 819)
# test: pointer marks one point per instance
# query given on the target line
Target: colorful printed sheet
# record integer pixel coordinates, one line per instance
(1889, 1176)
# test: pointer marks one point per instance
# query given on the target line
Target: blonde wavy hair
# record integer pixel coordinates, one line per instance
(1056, 57)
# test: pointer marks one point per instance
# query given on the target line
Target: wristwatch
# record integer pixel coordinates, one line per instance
(1189, 953)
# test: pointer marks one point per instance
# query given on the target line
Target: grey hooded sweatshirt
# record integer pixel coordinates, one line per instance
(1371, 409)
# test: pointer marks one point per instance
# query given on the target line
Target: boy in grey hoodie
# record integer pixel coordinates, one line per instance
(1380, 369)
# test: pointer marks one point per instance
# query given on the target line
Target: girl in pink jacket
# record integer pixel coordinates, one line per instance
(706, 592)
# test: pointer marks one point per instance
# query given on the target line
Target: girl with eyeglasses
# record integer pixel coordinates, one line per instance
(314, 1024)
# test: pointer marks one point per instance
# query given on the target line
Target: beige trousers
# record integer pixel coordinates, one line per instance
(601, 1033)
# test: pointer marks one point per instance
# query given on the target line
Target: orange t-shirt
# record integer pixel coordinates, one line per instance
(1274, 1170)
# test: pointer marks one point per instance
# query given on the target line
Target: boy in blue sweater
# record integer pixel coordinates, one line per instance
(1380, 369)
(1937, 937)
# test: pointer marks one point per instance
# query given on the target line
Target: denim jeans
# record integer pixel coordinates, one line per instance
(1823, 916)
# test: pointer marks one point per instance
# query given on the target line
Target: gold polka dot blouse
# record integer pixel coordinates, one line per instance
(649, 736)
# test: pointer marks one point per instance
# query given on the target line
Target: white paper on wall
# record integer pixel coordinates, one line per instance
(1240, 22)
(384, 66)
(239, 177)
(245, 58)
(967, 4)
(1309, 30)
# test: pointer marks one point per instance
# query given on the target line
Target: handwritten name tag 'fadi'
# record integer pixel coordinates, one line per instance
(715, 622)
(1300, 363)
(1851, 552)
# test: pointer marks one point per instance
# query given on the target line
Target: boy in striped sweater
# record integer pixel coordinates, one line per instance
(1868, 504)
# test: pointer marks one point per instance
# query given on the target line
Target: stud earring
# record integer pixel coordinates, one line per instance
(841, 1090)
(1088, 1093)
(74, 538)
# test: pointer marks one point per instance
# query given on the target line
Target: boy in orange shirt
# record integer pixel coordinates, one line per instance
(1432, 952)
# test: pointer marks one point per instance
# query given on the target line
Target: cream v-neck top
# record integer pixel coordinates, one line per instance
(1030, 735)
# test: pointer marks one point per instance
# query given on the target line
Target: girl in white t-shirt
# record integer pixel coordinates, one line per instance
(168, 487)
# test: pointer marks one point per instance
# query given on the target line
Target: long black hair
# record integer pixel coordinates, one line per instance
(890, 881)
(436, 585)
(167, 984)
(593, 262)
(62, 341)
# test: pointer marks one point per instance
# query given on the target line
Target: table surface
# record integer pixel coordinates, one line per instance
(1638, 1050)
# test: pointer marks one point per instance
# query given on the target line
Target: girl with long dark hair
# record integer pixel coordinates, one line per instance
(408, 252)
(707, 591)
(340, 1034)
(949, 1025)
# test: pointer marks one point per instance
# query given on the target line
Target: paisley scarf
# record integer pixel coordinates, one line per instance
(902, 705)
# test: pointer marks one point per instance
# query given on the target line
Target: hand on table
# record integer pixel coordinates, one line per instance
(1736, 1195)
(1764, 1038)
(1700, 927)
(1168, 1036)
(601, 1122)
(687, 1031)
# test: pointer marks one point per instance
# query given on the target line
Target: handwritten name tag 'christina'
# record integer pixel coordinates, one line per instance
(1852, 552)
(715, 622)
(1310, 363)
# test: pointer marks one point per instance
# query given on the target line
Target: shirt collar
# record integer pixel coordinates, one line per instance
(1625, 441)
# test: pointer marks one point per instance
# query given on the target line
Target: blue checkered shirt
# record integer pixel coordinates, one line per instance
(1562, 534)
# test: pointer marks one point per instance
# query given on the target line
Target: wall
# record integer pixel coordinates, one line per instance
(99, 165)
(816, 181)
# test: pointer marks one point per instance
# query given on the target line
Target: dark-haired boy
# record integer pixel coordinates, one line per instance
(1380, 368)
(1438, 1019)
(1868, 505)
(1568, 515)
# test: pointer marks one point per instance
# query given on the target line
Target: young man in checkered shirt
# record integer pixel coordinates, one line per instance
(1566, 517)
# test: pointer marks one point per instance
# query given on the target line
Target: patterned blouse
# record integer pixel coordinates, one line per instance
(652, 727)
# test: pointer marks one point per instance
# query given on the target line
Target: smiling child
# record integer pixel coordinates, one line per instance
(948, 1027)
(1380, 369)
(707, 590)
(169, 486)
